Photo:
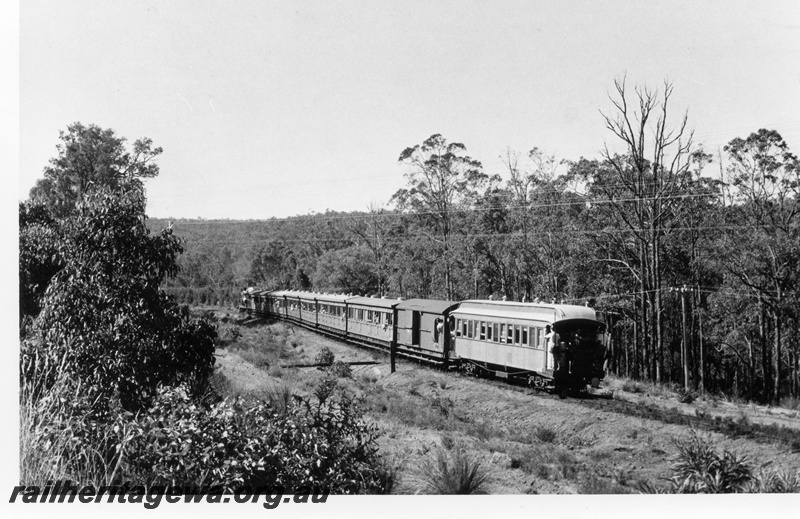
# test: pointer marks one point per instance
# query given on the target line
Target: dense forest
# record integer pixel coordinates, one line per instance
(693, 259)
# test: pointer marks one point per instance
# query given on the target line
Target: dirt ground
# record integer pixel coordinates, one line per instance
(527, 441)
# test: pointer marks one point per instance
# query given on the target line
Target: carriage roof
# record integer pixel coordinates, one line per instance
(434, 306)
(372, 301)
(513, 309)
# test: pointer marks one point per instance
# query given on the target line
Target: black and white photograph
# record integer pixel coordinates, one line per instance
(362, 258)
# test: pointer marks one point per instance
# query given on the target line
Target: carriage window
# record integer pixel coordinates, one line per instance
(458, 327)
(495, 332)
(470, 329)
(510, 334)
(463, 327)
(516, 334)
(525, 336)
(489, 327)
(502, 332)
(483, 331)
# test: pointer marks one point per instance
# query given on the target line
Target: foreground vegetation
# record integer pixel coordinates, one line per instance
(116, 379)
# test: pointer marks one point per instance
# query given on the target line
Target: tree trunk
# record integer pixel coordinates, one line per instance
(776, 395)
(701, 378)
(762, 336)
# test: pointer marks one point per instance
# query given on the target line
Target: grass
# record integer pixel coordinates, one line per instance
(452, 472)
(790, 402)
(280, 396)
(51, 448)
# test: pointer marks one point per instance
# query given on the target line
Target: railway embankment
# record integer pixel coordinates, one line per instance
(525, 441)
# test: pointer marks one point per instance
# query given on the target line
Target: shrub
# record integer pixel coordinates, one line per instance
(632, 387)
(340, 369)
(275, 371)
(452, 472)
(686, 396)
(700, 469)
(772, 482)
(545, 434)
(448, 442)
(319, 444)
(324, 356)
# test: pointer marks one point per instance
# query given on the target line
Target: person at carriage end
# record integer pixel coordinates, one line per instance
(553, 348)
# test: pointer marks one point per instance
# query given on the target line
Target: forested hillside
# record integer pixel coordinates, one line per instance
(674, 252)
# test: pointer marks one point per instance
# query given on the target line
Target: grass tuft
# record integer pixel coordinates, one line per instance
(452, 472)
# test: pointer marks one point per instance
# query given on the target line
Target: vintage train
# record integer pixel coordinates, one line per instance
(540, 344)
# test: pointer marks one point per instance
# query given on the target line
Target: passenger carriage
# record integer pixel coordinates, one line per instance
(508, 339)
(332, 312)
(274, 303)
(370, 320)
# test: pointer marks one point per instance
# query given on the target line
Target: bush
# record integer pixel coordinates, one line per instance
(633, 387)
(699, 468)
(452, 472)
(340, 369)
(545, 434)
(286, 442)
(686, 396)
(324, 356)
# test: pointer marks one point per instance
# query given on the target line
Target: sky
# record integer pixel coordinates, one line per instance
(271, 109)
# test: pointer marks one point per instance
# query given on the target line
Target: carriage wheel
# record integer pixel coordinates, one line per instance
(536, 381)
(470, 370)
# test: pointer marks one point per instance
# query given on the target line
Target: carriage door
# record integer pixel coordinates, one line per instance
(415, 319)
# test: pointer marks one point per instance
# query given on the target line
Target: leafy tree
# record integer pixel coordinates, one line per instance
(89, 156)
(764, 177)
(90, 277)
(346, 270)
(104, 320)
(440, 178)
(39, 258)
